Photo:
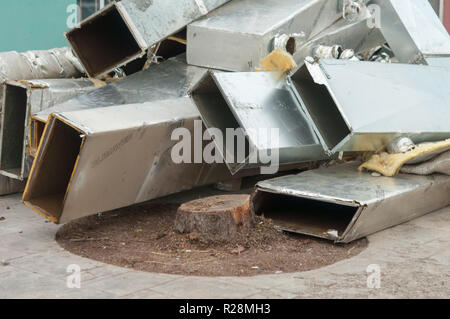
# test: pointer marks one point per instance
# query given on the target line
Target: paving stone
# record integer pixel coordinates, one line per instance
(145, 294)
(128, 283)
(414, 260)
(204, 287)
(52, 264)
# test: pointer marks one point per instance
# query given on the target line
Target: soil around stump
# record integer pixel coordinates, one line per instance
(142, 238)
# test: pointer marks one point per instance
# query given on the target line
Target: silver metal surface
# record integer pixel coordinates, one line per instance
(364, 106)
(413, 30)
(237, 36)
(256, 102)
(170, 79)
(21, 100)
(341, 204)
(101, 159)
(124, 30)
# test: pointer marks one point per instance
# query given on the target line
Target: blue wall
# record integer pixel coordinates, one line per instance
(33, 24)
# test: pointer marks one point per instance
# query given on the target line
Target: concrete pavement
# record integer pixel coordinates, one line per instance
(413, 260)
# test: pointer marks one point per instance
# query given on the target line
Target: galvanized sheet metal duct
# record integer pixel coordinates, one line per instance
(23, 98)
(256, 102)
(123, 31)
(363, 106)
(241, 33)
(170, 79)
(341, 204)
(413, 30)
(113, 157)
(55, 63)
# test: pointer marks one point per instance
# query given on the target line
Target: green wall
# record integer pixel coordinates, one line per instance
(33, 24)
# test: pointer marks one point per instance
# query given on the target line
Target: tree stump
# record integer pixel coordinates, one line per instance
(216, 218)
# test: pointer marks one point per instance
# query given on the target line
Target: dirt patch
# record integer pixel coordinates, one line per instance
(142, 238)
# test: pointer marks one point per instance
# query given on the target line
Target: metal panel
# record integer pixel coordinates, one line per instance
(124, 30)
(413, 30)
(341, 204)
(241, 33)
(363, 106)
(256, 101)
(22, 99)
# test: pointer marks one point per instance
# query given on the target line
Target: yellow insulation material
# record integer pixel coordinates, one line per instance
(390, 164)
(278, 60)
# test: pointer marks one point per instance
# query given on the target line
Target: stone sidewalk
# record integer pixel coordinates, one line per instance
(414, 259)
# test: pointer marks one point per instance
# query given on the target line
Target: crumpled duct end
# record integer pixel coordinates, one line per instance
(390, 164)
(278, 60)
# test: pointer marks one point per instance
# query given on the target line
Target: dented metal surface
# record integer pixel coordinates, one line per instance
(364, 106)
(123, 31)
(113, 157)
(241, 33)
(21, 100)
(259, 103)
(170, 79)
(341, 204)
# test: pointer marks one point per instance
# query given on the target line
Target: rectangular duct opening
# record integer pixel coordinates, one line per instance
(321, 107)
(216, 113)
(104, 42)
(53, 169)
(36, 131)
(13, 130)
(304, 215)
